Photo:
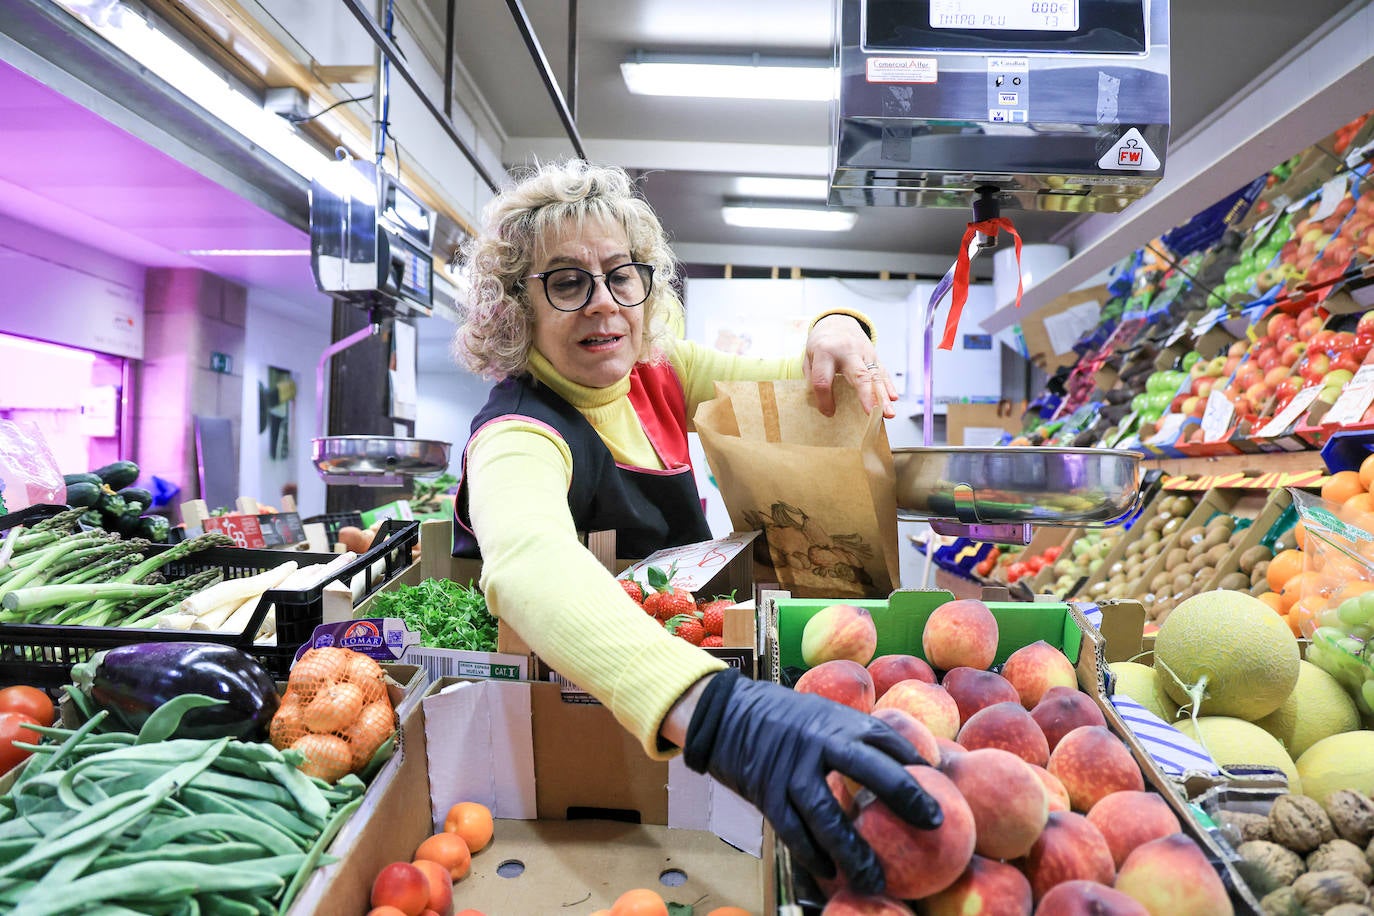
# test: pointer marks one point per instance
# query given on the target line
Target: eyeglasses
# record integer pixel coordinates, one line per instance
(570, 288)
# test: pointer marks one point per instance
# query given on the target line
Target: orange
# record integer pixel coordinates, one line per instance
(1350, 589)
(1302, 619)
(1366, 472)
(639, 902)
(729, 911)
(1285, 565)
(1307, 586)
(1272, 599)
(471, 821)
(1341, 486)
(449, 850)
(1300, 535)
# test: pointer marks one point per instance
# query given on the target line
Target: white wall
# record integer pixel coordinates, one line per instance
(449, 396)
(289, 336)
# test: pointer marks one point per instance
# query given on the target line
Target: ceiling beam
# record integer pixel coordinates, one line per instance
(895, 262)
(1320, 85)
(680, 156)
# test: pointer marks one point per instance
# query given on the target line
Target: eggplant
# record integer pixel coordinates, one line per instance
(131, 681)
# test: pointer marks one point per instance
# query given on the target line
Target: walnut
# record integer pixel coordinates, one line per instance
(1350, 909)
(1319, 891)
(1271, 866)
(1282, 902)
(1299, 823)
(1352, 814)
(1244, 825)
(1343, 855)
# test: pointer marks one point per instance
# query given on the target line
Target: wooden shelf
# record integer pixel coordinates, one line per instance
(1251, 465)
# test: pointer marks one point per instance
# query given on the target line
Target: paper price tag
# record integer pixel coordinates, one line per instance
(1179, 333)
(1169, 428)
(1354, 399)
(1209, 321)
(1291, 411)
(1216, 419)
(1332, 192)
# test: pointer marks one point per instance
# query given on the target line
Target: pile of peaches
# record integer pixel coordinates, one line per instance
(1045, 809)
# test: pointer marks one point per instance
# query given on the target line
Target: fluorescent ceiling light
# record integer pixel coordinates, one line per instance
(811, 219)
(782, 188)
(248, 252)
(730, 76)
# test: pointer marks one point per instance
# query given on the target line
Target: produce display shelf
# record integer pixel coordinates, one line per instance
(333, 521)
(43, 654)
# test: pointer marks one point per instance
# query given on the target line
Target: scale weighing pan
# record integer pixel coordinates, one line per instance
(378, 456)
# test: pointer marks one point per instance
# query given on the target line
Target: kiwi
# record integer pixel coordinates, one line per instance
(1235, 582)
(1260, 574)
(1197, 550)
(1182, 580)
(1154, 550)
(1191, 536)
(1155, 523)
(1172, 525)
(1221, 520)
(1217, 553)
(1215, 536)
(1176, 556)
(1253, 556)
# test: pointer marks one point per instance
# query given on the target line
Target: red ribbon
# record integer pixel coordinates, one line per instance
(988, 227)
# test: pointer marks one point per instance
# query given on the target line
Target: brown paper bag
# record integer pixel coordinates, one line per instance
(822, 489)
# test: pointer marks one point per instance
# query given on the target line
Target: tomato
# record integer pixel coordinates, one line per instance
(30, 701)
(1016, 571)
(13, 728)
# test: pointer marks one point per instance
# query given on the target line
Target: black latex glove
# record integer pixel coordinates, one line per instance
(774, 747)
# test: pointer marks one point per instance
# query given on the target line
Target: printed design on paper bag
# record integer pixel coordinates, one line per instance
(797, 541)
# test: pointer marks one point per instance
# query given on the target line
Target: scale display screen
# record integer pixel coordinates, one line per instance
(1006, 26)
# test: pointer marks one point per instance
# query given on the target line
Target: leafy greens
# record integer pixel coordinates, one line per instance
(446, 614)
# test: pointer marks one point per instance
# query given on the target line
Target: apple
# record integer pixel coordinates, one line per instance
(1009, 803)
(1314, 367)
(1275, 376)
(1070, 848)
(887, 670)
(917, 863)
(973, 689)
(960, 633)
(986, 888)
(842, 680)
(1035, 668)
(1131, 818)
(1007, 726)
(1238, 348)
(1366, 324)
(1338, 378)
(1344, 362)
(1309, 328)
(929, 704)
(1202, 386)
(1172, 877)
(1267, 358)
(1061, 710)
(844, 789)
(839, 631)
(1092, 763)
(1247, 375)
(1282, 325)
(1088, 898)
(1289, 387)
(1292, 353)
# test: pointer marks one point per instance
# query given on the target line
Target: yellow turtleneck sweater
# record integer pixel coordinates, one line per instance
(537, 576)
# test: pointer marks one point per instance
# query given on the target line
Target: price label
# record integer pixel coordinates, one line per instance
(1291, 411)
(1354, 400)
(1169, 428)
(1332, 192)
(1209, 321)
(1179, 333)
(1216, 419)
(243, 530)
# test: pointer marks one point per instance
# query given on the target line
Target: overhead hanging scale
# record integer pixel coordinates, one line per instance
(370, 247)
(1058, 105)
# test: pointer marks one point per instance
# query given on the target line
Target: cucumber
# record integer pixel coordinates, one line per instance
(137, 495)
(88, 477)
(118, 475)
(153, 527)
(83, 494)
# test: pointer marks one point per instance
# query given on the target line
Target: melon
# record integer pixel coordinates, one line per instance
(1344, 761)
(1140, 683)
(1317, 708)
(1236, 742)
(1237, 655)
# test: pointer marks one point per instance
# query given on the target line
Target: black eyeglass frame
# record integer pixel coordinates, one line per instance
(591, 287)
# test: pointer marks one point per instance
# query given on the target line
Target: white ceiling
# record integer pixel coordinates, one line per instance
(691, 149)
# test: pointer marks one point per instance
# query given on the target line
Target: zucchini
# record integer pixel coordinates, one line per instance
(118, 475)
(137, 496)
(83, 494)
(111, 505)
(154, 528)
(87, 477)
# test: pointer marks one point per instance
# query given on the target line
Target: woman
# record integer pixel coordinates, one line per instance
(573, 314)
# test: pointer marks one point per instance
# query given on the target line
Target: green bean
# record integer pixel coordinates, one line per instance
(316, 852)
(83, 703)
(71, 867)
(279, 817)
(314, 807)
(222, 905)
(12, 891)
(259, 751)
(244, 788)
(250, 769)
(36, 768)
(166, 719)
(154, 880)
(184, 852)
(260, 832)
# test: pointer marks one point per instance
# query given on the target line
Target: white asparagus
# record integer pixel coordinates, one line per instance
(214, 604)
(303, 578)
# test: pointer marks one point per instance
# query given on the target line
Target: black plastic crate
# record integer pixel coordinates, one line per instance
(333, 521)
(43, 654)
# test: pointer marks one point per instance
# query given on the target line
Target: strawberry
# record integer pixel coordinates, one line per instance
(633, 589)
(686, 626)
(713, 615)
(712, 642)
(666, 601)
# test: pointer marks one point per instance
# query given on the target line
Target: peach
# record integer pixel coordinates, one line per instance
(839, 631)
(440, 885)
(1088, 898)
(960, 633)
(916, 862)
(1009, 804)
(889, 669)
(1035, 668)
(1061, 710)
(1069, 848)
(974, 688)
(1172, 877)
(949, 748)
(842, 680)
(930, 704)
(1092, 763)
(842, 787)
(402, 885)
(986, 888)
(1008, 726)
(1129, 818)
(913, 730)
(1054, 789)
(848, 903)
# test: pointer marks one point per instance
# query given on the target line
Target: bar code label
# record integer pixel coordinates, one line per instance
(452, 663)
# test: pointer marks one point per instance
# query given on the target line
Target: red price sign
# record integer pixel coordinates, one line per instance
(244, 530)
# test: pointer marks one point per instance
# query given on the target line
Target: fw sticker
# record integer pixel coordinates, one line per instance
(1130, 153)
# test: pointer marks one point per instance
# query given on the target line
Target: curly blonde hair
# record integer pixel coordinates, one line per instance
(495, 336)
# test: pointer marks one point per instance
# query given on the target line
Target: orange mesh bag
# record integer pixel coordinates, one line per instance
(335, 711)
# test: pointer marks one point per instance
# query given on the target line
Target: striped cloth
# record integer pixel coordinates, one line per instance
(1172, 751)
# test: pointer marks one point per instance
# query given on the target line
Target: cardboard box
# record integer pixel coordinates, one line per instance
(1004, 416)
(582, 814)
